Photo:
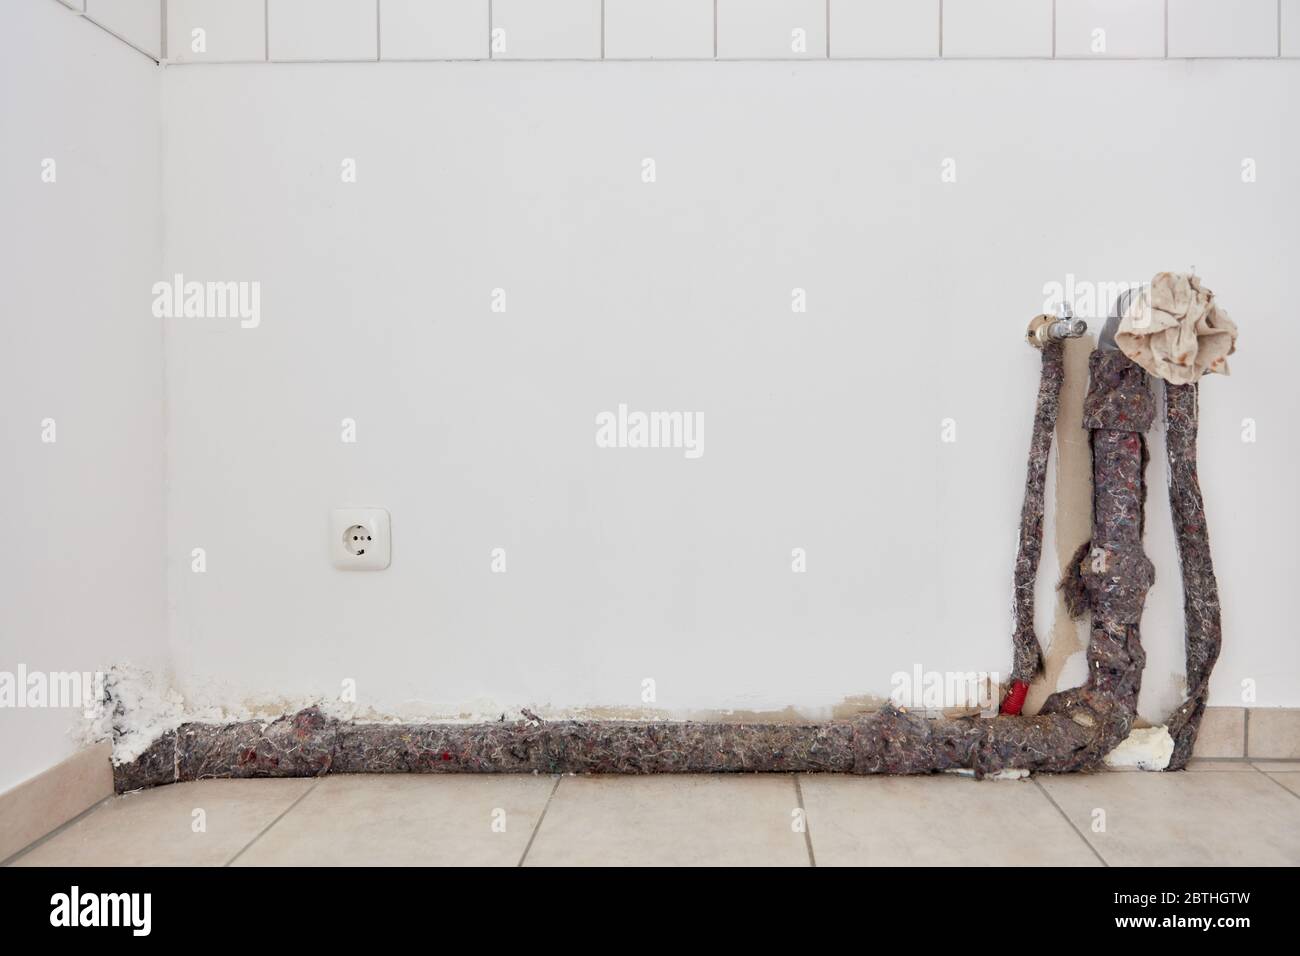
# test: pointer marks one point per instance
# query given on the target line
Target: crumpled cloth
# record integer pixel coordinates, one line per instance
(1176, 331)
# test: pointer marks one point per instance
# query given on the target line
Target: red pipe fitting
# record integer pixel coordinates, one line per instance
(1015, 700)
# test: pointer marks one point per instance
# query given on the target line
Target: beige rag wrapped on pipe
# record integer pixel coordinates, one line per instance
(1176, 331)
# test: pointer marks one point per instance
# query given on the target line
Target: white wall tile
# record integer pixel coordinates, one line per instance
(233, 30)
(1128, 28)
(323, 29)
(549, 30)
(139, 22)
(753, 29)
(997, 28)
(1291, 27)
(884, 28)
(433, 29)
(1222, 28)
(650, 29)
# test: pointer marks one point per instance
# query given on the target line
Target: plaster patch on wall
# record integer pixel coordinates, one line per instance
(1147, 748)
(138, 707)
(1075, 669)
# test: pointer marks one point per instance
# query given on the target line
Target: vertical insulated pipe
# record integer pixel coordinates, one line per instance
(1204, 633)
(1110, 575)
(1028, 655)
(1046, 333)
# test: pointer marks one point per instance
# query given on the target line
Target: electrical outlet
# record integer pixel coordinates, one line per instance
(360, 539)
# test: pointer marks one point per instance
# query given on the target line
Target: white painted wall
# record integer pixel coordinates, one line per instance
(81, 575)
(476, 429)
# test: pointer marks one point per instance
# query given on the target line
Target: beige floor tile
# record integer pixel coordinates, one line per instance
(1277, 766)
(939, 820)
(1222, 733)
(407, 820)
(672, 820)
(1289, 780)
(1198, 765)
(157, 827)
(1183, 819)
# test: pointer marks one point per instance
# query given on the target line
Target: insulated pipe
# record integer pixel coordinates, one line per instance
(1110, 574)
(1046, 334)
(1074, 731)
(1203, 627)
(1204, 632)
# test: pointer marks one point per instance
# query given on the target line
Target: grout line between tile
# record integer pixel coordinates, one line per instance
(1245, 734)
(1052, 801)
(1279, 783)
(537, 826)
(807, 827)
(9, 861)
(267, 828)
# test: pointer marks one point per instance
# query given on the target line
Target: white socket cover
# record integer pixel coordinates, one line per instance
(360, 539)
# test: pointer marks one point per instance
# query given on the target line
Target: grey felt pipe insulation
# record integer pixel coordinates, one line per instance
(1074, 730)
(1047, 335)
(1204, 635)
(1203, 632)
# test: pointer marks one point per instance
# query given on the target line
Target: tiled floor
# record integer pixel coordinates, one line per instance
(1219, 813)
